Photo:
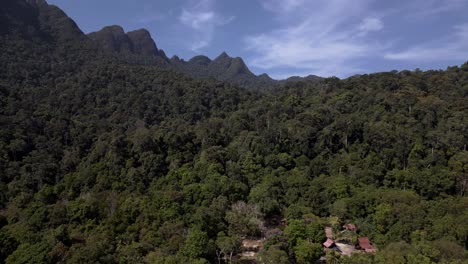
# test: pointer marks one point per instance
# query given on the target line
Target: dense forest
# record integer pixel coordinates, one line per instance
(105, 161)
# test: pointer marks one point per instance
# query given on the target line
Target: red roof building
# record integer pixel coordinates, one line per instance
(365, 244)
(329, 243)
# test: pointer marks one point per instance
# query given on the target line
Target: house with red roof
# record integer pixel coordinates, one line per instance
(329, 243)
(366, 245)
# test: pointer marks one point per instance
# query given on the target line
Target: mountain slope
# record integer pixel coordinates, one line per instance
(36, 37)
(36, 19)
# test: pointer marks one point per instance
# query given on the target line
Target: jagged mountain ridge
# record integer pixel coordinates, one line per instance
(135, 46)
(139, 47)
(223, 68)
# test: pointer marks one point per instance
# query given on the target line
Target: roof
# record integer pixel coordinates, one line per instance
(351, 227)
(328, 243)
(365, 243)
(328, 232)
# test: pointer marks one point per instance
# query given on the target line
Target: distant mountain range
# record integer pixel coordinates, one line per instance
(139, 47)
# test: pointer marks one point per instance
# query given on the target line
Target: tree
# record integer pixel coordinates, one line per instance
(30, 253)
(315, 232)
(196, 244)
(244, 220)
(459, 165)
(227, 246)
(307, 252)
(332, 257)
(264, 195)
(273, 255)
(7, 244)
(295, 231)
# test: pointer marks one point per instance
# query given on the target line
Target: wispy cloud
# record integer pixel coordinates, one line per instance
(450, 48)
(371, 24)
(282, 5)
(322, 37)
(202, 18)
(425, 8)
(451, 45)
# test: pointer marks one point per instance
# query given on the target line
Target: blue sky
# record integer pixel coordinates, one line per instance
(295, 37)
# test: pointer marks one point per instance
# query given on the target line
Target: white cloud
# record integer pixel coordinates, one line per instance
(199, 44)
(371, 24)
(451, 48)
(201, 17)
(197, 20)
(282, 5)
(425, 8)
(322, 37)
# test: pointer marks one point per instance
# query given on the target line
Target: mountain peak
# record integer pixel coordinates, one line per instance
(143, 43)
(137, 43)
(223, 56)
(112, 39)
(140, 35)
(265, 76)
(200, 60)
(238, 66)
(176, 58)
(113, 29)
(142, 31)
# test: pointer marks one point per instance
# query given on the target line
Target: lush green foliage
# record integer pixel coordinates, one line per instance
(306, 252)
(106, 162)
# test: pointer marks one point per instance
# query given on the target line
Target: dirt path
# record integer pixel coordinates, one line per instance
(250, 248)
(345, 249)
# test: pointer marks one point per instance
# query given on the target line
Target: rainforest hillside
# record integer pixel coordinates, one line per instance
(105, 161)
